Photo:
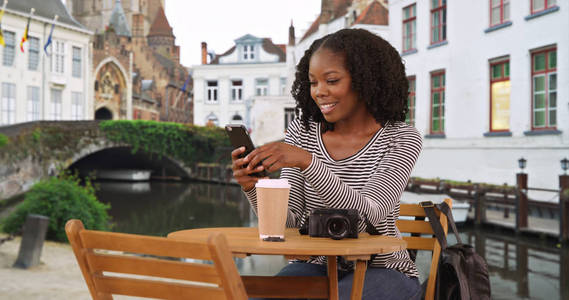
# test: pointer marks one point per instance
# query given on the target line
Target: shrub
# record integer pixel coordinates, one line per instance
(3, 140)
(60, 198)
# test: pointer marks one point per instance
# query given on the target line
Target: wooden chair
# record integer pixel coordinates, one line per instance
(418, 241)
(131, 259)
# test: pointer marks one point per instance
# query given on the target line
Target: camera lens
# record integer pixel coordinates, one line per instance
(337, 227)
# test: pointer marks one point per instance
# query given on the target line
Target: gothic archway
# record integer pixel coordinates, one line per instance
(111, 88)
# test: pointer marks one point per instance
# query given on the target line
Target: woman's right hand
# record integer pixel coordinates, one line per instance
(242, 174)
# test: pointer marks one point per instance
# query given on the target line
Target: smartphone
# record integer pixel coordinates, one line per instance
(239, 137)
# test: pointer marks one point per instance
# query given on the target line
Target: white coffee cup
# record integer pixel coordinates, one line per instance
(272, 207)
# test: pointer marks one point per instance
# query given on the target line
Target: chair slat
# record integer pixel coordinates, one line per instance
(420, 243)
(155, 289)
(414, 226)
(153, 267)
(143, 244)
(414, 210)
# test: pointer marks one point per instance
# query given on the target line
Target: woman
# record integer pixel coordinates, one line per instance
(350, 148)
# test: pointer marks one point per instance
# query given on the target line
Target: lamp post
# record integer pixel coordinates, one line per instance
(522, 164)
(522, 198)
(565, 165)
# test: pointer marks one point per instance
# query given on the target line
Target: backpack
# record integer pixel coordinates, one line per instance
(462, 274)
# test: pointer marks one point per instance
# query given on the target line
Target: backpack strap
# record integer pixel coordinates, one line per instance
(429, 208)
(445, 209)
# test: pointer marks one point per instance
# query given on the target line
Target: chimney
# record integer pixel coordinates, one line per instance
(204, 53)
(291, 37)
(326, 9)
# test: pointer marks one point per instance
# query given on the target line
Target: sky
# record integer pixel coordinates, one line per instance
(220, 22)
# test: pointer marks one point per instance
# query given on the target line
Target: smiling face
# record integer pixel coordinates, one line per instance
(331, 87)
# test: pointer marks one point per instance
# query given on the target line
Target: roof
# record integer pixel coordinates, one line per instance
(171, 66)
(375, 14)
(44, 8)
(267, 45)
(118, 20)
(274, 49)
(339, 9)
(160, 25)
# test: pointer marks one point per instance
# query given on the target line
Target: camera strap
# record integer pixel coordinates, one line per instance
(372, 231)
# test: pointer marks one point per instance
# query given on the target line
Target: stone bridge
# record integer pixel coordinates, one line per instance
(44, 148)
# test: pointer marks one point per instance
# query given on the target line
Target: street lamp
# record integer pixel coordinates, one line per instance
(522, 163)
(565, 165)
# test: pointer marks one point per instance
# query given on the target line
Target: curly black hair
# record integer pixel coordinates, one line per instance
(377, 71)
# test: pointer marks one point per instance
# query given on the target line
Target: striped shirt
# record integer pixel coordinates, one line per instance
(371, 181)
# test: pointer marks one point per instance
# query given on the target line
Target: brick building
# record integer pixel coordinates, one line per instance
(137, 73)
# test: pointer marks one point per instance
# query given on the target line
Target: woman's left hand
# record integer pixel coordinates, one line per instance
(278, 155)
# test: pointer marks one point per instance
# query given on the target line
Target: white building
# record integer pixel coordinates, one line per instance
(489, 85)
(226, 88)
(33, 85)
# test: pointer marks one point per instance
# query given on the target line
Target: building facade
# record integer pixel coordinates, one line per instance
(38, 84)
(489, 84)
(227, 86)
(137, 72)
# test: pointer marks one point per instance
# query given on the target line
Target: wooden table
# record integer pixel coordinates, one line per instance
(245, 241)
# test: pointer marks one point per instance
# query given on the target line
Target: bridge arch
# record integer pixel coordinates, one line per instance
(117, 156)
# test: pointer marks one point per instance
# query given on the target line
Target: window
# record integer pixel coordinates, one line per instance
(236, 90)
(33, 53)
(57, 57)
(33, 103)
(248, 52)
(211, 91)
(409, 27)
(76, 106)
(500, 95)
(288, 117)
(499, 11)
(544, 89)
(8, 105)
(410, 118)
(76, 67)
(438, 102)
(9, 48)
(283, 86)
(539, 5)
(261, 87)
(438, 21)
(55, 111)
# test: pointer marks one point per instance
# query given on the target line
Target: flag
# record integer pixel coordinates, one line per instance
(50, 35)
(25, 37)
(186, 84)
(2, 14)
(182, 91)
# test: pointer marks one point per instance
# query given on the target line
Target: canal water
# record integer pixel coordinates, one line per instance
(520, 268)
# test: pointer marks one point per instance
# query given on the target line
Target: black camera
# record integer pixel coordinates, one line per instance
(334, 223)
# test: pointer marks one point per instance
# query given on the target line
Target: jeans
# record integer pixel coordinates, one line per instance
(379, 283)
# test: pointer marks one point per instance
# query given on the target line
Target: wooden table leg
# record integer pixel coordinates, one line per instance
(359, 276)
(332, 278)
